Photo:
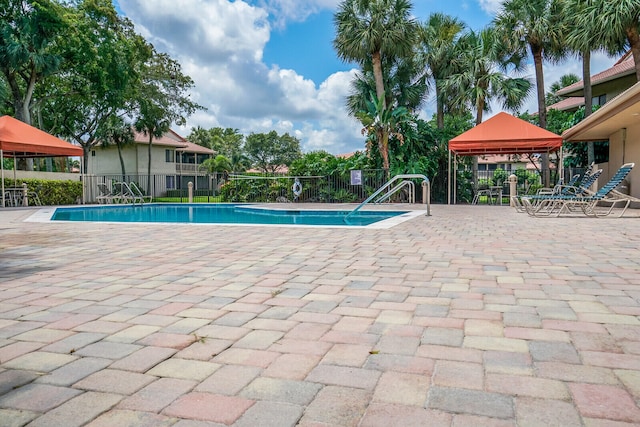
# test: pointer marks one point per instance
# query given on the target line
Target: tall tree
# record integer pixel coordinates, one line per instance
(161, 100)
(371, 29)
(270, 151)
(381, 123)
(406, 90)
(116, 131)
(404, 80)
(613, 24)
(200, 136)
(565, 80)
(483, 76)
(534, 25)
(99, 77)
(29, 30)
(438, 36)
(369, 32)
(579, 41)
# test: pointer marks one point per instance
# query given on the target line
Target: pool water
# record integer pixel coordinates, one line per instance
(219, 214)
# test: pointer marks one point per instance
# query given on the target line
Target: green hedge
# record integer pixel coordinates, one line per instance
(51, 192)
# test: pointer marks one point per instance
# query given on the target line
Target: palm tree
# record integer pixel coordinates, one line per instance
(200, 136)
(118, 132)
(404, 81)
(438, 36)
(534, 25)
(153, 123)
(613, 24)
(380, 122)
(217, 165)
(373, 29)
(482, 76)
(373, 32)
(565, 80)
(581, 41)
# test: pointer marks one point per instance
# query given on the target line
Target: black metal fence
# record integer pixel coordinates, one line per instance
(529, 181)
(215, 187)
(335, 188)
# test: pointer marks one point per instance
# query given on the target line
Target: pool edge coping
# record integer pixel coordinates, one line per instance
(44, 215)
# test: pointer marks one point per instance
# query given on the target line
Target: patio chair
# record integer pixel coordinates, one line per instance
(126, 194)
(542, 201)
(138, 192)
(33, 198)
(480, 192)
(587, 201)
(106, 195)
(557, 188)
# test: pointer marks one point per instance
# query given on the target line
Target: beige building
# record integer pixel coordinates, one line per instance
(618, 122)
(605, 86)
(174, 162)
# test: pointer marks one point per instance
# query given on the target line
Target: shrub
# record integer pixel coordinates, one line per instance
(51, 192)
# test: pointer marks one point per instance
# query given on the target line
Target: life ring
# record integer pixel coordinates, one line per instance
(297, 188)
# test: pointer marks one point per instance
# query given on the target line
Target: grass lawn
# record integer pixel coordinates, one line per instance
(197, 199)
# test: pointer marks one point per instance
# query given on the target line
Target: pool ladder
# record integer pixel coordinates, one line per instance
(378, 197)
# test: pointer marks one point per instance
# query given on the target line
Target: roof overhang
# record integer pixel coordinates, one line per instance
(621, 112)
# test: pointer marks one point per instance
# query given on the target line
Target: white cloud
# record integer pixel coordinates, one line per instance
(490, 6)
(220, 43)
(282, 11)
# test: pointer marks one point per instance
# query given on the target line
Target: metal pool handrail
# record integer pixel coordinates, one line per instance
(425, 182)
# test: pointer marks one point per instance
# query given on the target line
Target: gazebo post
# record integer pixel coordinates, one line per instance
(449, 181)
(455, 179)
(2, 169)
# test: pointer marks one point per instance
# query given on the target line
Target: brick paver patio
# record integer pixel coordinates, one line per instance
(476, 315)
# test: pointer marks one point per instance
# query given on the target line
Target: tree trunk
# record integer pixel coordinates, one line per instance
(588, 100)
(149, 164)
(536, 51)
(634, 41)
(377, 75)
(18, 101)
(121, 161)
(383, 146)
(474, 166)
(85, 158)
(439, 108)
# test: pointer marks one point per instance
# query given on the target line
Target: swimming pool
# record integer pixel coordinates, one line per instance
(229, 214)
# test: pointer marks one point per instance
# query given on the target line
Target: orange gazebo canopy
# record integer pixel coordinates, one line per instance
(504, 134)
(22, 140)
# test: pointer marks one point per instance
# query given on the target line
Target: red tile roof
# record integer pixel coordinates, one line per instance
(623, 67)
(170, 139)
(190, 147)
(567, 103)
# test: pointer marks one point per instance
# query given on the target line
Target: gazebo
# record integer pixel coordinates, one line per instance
(502, 134)
(18, 139)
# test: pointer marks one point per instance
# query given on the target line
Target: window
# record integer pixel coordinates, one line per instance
(171, 182)
(599, 100)
(169, 156)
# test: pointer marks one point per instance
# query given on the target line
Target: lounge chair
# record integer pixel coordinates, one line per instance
(125, 194)
(138, 192)
(106, 195)
(587, 201)
(543, 202)
(558, 187)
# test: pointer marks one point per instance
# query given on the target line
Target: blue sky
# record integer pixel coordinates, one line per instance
(262, 65)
